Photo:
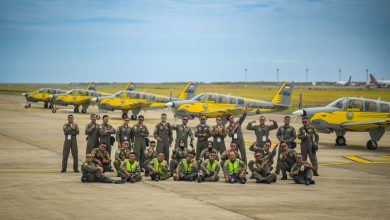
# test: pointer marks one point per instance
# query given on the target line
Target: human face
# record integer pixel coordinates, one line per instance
(283, 146)
(190, 157)
(70, 119)
(231, 119)
(212, 156)
(161, 157)
(89, 157)
(219, 121)
(305, 122)
(163, 118)
(298, 158)
(132, 158)
(93, 118)
(184, 120)
(210, 145)
(262, 120)
(181, 144)
(126, 121)
(141, 120)
(233, 146)
(286, 120)
(232, 156)
(152, 145)
(267, 146)
(202, 120)
(103, 147)
(106, 119)
(257, 156)
(125, 145)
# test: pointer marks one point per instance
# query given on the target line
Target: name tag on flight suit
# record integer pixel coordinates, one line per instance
(219, 139)
(302, 168)
(69, 137)
(125, 138)
(235, 136)
(264, 138)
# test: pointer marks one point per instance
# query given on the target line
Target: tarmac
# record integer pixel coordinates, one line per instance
(353, 182)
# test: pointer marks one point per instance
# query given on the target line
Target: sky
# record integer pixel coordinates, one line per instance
(195, 40)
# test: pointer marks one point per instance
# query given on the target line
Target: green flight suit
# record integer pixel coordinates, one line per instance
(70, 144)
(202, 132)
(105, 132)
(237, 136)
(92, 132)
(219, 138)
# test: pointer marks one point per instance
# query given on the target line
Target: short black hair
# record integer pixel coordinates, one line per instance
(304, 117)
(163, 114)
(105, 116)
(92, 115)
(152, 142)
(141, 116)
(70, 115)
(287, 116)
(132, 153)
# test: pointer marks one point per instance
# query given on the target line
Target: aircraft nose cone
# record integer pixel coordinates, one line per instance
(94, 99)
(24, 94)
(51, 96)
(170, 105)
(298, 112)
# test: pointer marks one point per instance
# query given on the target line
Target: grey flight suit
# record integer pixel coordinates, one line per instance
(178, 154)
(288, 135)
(219, 138)
(100, 156)
(164, 132)
(266, 155)
(183, 132)
(237, 136)
(149, 155)
(140, 133)
(202, 132)
(261, 171)
(120, 156)
(91, 174)
(124, 133)
(92, 133)
(307, 143)
(70, 144)
(105, 132)
(261, 132)
(303, 174)
(286, 162)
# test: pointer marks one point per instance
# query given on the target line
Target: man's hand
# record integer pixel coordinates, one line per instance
(254, 121)
(154, 170)
(127, 174)
(226, 178)
(158, 139)
(99, 163)
(100, 169)
(208, 173)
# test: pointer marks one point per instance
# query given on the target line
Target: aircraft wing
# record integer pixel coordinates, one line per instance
(223, 112)
(376, 122)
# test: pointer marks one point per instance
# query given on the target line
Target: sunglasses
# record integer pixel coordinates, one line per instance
(104, 146)
(304, 122)
(257, 155)
(184, 119)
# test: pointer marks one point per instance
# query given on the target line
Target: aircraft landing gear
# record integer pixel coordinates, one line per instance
(76, 110)
(26, 106)
(340, 141)
(133, 117)
(83, 111)
(372, 145)
(124, 115)
(54, 110)
(97, 117)
(50, 107)
(46, 105)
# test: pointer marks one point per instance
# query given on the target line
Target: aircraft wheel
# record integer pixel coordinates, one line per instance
(83, 111)
(54, 110)
(134, 117)
(26, 106)
(372, 145)
(46, 105)
(50, 106)
(340, 141)
(29, 105)
(76, 110)
(97, 117)
(124, 115)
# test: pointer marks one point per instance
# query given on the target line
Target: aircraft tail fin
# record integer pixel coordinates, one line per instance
(91, 86)
(349, 80)
(372, 79)
(283, 96)
(130, 87)
(189, 91)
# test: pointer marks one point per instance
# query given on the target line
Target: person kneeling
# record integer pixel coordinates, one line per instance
(187, 169)
(130, 171)
(209, 169)
(92, 172)
(102, 157)
(302, 171)
(158, 168)
(261, 169)
(234, 170)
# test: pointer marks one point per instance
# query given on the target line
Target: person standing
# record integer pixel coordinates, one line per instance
(105, 132)
(309, 138)
(163, 135)
(71, 130)
(218, 133)
(235, 132)
(140, 132)
(286, 134)
(262, 130)
(92, 132)
(183, 132)
(202, 132)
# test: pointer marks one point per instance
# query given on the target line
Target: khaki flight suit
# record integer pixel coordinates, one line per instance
(163, 135)
(92, 132)
(202, 132)
(237, 136)
(70, 144)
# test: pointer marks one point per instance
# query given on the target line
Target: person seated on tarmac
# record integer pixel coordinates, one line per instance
(225, 154)
(261, 169)
(234, 170)
(178, 154)
(187, 170)
(287, 159)
(209, 169)
(266, 154)
(150, 153)
(102, 158)
(158, 168)
(130, 171)
(204, 155)
(121, 154)
(94, 173)
(302, 171)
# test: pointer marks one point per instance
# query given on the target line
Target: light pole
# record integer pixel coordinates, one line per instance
(245, 73)
(307, 75)
(277, 74)
(367, 74)
(339, 74)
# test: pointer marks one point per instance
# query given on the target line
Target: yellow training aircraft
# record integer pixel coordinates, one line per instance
(76, 97)
(42, 95)
(350, 114)
(136, 101)
(214, 105)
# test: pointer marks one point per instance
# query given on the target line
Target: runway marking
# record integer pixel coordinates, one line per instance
(365, 161)
(335, 163)
(27, 171)
(386, 156)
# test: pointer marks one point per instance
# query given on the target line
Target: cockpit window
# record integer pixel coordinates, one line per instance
(354, 105)
(337, 104)
(384, 107)
(233, 101)
(370, 106)
(200, 97)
